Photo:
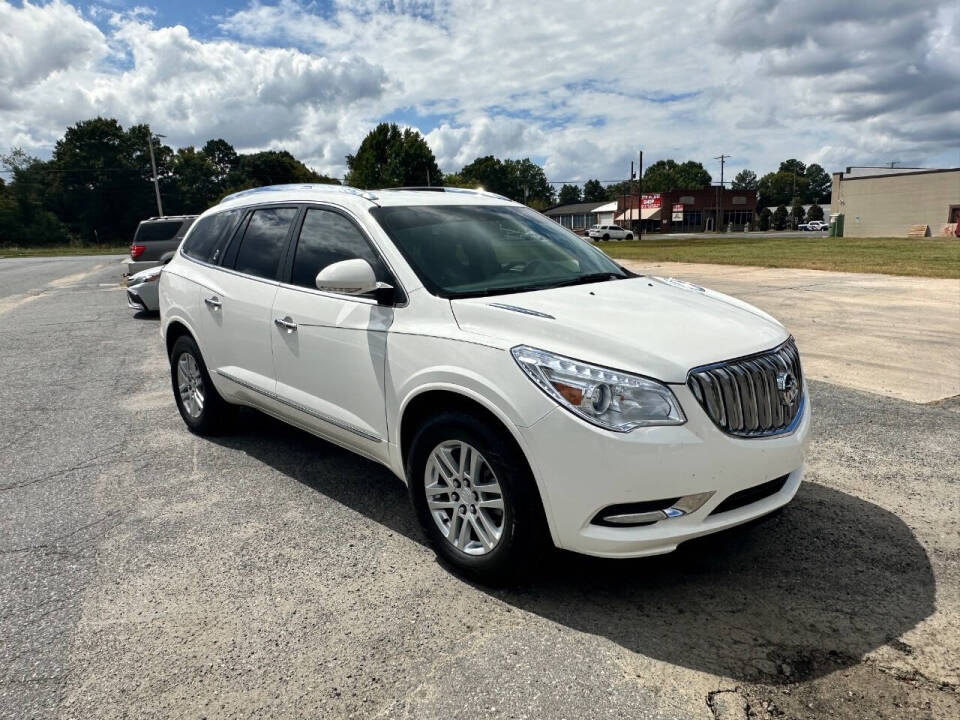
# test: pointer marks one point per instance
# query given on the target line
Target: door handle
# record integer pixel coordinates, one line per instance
(213, 302)
(286, 323)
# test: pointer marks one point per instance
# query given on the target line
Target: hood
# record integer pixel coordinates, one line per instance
(647, 325)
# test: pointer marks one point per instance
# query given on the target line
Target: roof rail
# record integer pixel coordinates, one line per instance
(346, 189)
(444, 188)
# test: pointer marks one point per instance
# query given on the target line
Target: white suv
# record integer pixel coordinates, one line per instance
(526, 387)
(609, 232)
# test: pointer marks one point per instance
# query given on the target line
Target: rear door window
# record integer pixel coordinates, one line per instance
(264, 242)
(205, 241)
(328, 237)
(157, 231)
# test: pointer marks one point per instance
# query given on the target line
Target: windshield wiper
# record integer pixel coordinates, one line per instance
(580, 280)
(584, 279)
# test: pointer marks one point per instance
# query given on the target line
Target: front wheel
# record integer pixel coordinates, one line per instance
(199, 403)
(606, 236)
(474, 496)
(629, 236)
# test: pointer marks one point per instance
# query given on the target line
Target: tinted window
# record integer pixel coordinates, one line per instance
(206, 240)
(264, 241)
(470, 250)
(155, 231)
(328, 237)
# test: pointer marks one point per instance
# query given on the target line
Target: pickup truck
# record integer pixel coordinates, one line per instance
(814, 225)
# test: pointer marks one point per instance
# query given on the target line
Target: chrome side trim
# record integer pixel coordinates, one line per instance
(684, 506)
(301, 408)
(522, 310)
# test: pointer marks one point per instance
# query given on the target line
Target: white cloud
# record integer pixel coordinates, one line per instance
(581, 86)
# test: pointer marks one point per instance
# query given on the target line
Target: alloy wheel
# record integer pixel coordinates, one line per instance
(190, 384)
(464, 497)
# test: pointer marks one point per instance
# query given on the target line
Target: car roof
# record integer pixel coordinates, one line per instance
(354, 197)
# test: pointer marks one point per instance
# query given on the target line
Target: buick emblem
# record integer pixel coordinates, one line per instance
(788, 387)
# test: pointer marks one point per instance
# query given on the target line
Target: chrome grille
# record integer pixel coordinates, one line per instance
(746, 397)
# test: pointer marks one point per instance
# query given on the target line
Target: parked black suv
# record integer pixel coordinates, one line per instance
(156, 240)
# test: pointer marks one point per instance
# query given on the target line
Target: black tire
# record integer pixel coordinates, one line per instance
(629, 236)
(524, 533)
(212, 417)
(606, 236)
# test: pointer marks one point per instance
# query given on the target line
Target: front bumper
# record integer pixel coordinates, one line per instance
(582, 470)
(143, 297)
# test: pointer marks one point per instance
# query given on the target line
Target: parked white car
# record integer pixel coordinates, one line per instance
(609, 232)
(142, 290)
(526, 387)
(814, 225)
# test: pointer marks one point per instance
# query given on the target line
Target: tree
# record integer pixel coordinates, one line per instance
(197, 184)
(272, 167)
(390, 157)
(666, 175)
(24, 220)
(764, 219)
(593, 191)
(101, 184)
(815, 212)
(624, 187)
(780, 218)
(776, 189)
(486, 172)
(796, 215)
(520, 180)
(818, 184)
(223, 157)
(528, 183)
(569, 194)
(792, 166)
(745, 180)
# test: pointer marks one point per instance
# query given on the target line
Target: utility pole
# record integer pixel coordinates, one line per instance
(153, 164)
(722, 158)
(640, 195)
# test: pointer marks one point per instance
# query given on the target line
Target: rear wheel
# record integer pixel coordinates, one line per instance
(199, 403)
(474, 496)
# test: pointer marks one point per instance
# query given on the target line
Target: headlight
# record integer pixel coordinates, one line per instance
(611, 399)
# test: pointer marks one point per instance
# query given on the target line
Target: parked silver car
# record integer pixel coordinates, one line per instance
(142, 290)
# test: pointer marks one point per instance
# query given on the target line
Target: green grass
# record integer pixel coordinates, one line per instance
(58, 250)
(926, 257)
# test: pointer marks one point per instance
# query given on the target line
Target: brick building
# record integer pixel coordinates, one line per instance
(686, 210)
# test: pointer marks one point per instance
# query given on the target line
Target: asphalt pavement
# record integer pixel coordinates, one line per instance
(147, 572)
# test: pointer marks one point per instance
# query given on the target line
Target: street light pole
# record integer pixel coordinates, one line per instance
(153, 164)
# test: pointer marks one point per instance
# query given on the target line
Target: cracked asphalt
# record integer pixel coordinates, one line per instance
(146, 572)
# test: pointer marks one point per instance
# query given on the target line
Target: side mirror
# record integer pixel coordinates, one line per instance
(349, 277)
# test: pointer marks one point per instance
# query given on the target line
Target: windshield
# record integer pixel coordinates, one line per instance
(474, 250)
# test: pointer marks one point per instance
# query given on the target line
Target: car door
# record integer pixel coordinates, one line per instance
(237, 300)
(329, 349)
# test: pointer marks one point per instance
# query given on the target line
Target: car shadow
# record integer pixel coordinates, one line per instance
(147, 315)
(801, 594)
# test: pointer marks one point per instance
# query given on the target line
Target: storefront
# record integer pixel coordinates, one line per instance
(687, 210)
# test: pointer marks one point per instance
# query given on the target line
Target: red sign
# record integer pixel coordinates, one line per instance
(649, 201)
(678, 207)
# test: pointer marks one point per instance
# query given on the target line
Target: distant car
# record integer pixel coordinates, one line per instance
(142, 290)
(156, 240)
(609, 232)
(814, 225)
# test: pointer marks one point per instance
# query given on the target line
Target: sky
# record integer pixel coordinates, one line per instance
(579, 87)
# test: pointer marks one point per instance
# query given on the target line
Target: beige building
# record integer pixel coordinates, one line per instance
(885, 202)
